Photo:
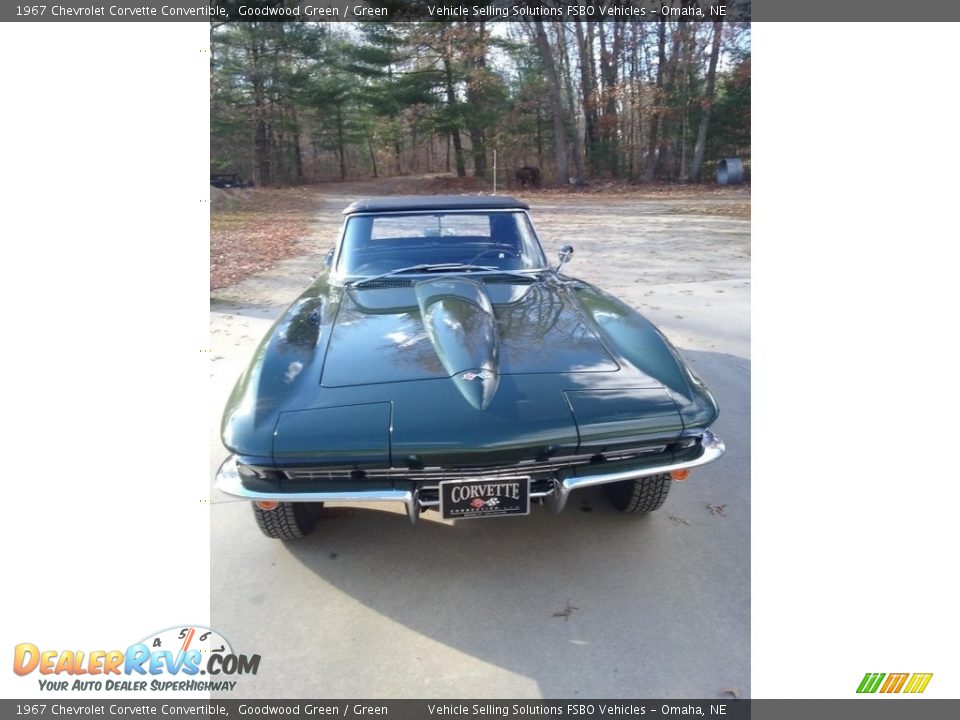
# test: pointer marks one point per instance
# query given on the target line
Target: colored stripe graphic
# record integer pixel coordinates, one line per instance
(870, 682)
(186, 641)
(894, 682)
(918, 682)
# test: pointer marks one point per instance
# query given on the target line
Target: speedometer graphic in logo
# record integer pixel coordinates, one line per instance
(182, 640)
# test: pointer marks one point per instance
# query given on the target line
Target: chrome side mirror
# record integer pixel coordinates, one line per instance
(327, 263)
(566, 253)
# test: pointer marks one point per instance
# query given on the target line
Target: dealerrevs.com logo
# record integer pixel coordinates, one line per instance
(894, 683)
(179, 658)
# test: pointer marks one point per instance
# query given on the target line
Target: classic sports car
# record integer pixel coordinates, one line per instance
(439, 362)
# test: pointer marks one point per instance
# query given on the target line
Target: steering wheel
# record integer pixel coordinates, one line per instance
(502, 252)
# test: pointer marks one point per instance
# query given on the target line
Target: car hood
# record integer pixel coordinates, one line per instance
(388, 374)
(458, 328)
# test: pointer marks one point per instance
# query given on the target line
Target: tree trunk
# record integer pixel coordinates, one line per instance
(452, 108)
(636, 124)
(609, 65)
(295, 147)
(701, 145)
(414, 141)
(341, 145)
(573, 130)
(539, 134)
(669, 124)
(261, 141)
(650, 164)
(454, 130)
(373, 156)
(588, 90)
(477, 62)
(559, 127)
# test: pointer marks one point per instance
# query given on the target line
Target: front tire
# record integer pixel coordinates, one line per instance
(287, 521)
(643, 495)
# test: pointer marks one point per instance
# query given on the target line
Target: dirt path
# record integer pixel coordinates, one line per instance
(652, 233)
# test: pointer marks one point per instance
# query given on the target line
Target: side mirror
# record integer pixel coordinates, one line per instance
(565, 255)
(327, 263)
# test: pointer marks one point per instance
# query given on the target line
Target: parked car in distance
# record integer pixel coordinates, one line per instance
(229, 180)
(440, 362)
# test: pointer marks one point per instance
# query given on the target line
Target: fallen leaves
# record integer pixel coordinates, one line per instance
(717, 509)
(251, 230)
(736, 210)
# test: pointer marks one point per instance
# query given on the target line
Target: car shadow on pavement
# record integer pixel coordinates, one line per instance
(588, 603)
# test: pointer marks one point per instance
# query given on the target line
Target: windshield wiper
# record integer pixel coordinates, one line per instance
(427, 268)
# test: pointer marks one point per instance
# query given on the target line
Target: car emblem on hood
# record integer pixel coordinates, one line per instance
(483, 375)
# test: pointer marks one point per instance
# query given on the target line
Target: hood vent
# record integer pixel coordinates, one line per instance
(506, 280)
(387, 283)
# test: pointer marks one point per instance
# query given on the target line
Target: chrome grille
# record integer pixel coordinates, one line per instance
(527, 467)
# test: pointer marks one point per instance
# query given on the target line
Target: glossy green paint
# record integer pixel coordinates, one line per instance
(462, 327)
(459, 370)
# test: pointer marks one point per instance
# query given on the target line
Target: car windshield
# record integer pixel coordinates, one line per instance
(377, 244)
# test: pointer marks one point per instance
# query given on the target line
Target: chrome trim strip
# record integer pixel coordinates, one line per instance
(228, 481)
(713, 448)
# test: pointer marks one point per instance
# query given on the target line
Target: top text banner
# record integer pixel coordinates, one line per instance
(376, 10)
(218, 11)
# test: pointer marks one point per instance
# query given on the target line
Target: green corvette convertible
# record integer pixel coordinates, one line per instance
(440, 362)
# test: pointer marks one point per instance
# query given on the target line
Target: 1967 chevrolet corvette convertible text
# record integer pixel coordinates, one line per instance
(438, 361)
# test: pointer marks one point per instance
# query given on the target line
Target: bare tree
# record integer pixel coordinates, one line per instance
(609, 65)
(556, 100)
(571, 109)
(453, 107)
(650, 165)
(588, 91)
(476, 52)
(701, 145)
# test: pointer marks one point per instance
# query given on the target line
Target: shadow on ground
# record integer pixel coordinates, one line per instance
(590, 603)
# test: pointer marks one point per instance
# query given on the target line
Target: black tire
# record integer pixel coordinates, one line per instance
(287, 521)
(639, 496)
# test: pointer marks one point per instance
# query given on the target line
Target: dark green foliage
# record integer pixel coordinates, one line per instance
(295, 102)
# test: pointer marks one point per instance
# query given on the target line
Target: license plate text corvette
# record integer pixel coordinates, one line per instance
(484, 498)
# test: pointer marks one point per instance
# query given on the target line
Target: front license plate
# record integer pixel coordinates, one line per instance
(484, 498)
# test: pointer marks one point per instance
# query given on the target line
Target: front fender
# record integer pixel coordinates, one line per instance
(284, 371)
(637, 341)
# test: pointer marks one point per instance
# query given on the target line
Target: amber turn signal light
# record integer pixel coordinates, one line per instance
(679, 474)
(267, 504)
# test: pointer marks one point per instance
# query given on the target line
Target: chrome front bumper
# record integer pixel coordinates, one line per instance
(406, 492)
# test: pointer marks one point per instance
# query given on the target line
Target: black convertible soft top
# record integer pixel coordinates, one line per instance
(405, 203)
